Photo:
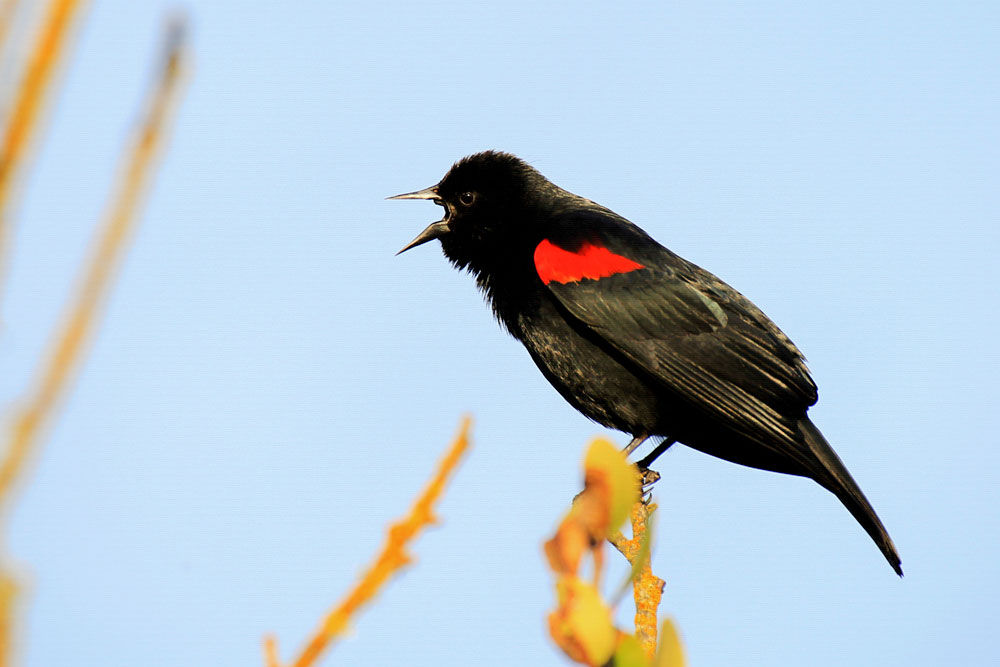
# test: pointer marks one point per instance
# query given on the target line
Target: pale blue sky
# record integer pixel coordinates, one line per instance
(270, 385)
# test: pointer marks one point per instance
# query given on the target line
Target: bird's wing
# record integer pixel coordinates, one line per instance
(704, 341)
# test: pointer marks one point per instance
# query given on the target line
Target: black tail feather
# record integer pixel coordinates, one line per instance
(834, 476)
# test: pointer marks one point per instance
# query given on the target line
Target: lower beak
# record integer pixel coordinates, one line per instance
(435, 230)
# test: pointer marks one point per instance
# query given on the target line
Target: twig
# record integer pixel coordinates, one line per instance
(75, 332)
(390, 560)
(7, 10)
(72, 337)
(26, 109)
(647, 588)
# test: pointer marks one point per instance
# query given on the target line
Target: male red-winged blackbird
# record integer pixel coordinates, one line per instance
(633, 336)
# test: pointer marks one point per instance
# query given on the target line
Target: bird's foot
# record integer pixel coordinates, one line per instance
(647, 478)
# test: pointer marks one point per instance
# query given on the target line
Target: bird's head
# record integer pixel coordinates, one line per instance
(489, 200)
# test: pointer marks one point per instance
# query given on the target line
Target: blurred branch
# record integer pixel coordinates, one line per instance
(392, 558)
(9, 589)
(72, 337)
(26, 108)
(74, 333)
(7, 9)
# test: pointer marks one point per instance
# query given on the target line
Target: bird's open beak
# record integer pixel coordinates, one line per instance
(434, 230)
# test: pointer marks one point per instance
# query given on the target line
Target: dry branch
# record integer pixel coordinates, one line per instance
(27, 106)
(71, 338)
(391, 559)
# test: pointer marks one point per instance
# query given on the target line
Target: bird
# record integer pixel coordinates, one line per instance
(632, 335)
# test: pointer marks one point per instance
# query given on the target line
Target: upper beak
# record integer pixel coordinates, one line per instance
(435, 229)
(426, 193)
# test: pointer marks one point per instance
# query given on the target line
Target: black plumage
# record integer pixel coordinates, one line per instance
(633, 336)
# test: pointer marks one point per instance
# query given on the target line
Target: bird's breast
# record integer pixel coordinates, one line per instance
(585, 370)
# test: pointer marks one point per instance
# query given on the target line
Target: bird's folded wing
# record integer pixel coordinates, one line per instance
(712, 352)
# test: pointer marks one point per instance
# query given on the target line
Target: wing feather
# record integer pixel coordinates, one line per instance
(704, 341)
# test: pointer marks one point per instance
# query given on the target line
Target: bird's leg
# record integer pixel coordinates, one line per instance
(632, 446)
(646, 461)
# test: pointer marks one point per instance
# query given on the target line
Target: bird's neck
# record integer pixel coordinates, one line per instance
(508, 280)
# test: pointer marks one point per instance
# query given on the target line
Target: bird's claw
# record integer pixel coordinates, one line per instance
(647, 478)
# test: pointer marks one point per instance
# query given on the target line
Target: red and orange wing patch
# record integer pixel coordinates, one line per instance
(557, 265)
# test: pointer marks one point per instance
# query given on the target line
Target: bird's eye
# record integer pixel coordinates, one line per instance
(467, 198)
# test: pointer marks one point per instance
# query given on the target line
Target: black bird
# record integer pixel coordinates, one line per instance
(633, 336)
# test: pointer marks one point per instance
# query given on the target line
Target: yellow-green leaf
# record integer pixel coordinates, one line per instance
(606, 462)
(669, 653)
(582, 624)
(629, 653)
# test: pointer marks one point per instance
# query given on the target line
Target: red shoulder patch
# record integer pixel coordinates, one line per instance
(554, 264)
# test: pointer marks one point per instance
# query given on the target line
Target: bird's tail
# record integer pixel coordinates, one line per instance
(834, 476)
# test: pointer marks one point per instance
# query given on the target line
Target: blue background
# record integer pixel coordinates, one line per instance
(270, 386)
